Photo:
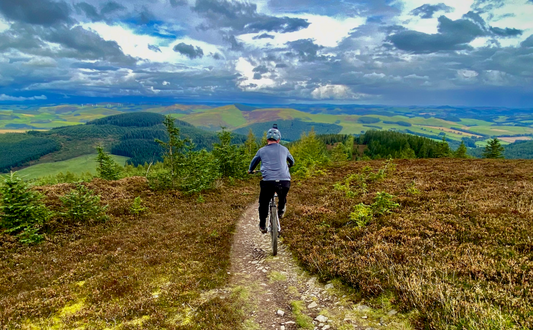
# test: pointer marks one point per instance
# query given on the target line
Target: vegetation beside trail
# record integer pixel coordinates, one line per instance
(151, 271)
(456, 252)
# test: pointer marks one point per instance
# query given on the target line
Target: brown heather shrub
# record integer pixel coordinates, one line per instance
(132, 272)
(459, 254)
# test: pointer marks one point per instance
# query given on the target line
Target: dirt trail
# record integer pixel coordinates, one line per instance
(271, 287)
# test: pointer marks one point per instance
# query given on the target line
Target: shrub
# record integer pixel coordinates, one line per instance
(383, 204)
(309, 153)
(199, 173)
(81, 205)
(231, 159)
(22, 211)
(361, 215)
(136, 207)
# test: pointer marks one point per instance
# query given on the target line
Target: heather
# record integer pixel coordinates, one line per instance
(455, 254)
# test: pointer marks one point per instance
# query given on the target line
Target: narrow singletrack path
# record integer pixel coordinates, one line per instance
(271, 287)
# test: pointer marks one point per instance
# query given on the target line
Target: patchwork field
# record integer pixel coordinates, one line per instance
(456, 123)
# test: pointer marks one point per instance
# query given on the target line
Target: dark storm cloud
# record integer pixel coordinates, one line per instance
(243, 17)
(111, 7)
(189, 50)
(235, 45)
(40, 12)
(263, 36)
(306, 49)
(89, 10)
(507, 32)
(84, 44)
(261, 69)
(427, 11)
(528, 42)
(21, 37)
(154, 48)
(453, 35)
(177, 3)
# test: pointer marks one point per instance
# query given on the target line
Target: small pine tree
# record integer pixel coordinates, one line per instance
(493, 149)
(250, 145)
(175, 148)
(264, 140)
(21, 211)
(461, 151)
(443, 149)
(107, 168)
(231, 159)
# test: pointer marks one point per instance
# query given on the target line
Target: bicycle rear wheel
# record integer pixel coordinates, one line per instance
(274, 229)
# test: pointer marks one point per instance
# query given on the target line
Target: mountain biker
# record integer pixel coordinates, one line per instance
(276, 176)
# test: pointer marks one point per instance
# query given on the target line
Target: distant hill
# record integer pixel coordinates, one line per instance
(291, 130)
(130, 134)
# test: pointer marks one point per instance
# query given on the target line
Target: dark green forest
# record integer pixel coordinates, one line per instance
(130, 134)
(15, 154)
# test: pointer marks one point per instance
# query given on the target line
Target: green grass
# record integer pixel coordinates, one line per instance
(76, 165)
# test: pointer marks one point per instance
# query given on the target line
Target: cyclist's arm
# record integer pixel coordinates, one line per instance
(290, 159)
(254, 163)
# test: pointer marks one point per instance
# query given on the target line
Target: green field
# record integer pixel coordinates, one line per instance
(76, 165)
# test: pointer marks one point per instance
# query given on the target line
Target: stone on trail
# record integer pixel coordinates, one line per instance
(321, 318)
(313, 305)
(329, 286)
(280, 312)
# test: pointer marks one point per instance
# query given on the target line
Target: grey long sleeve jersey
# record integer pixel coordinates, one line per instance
(273, 158)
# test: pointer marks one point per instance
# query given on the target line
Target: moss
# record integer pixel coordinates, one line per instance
(302, 321)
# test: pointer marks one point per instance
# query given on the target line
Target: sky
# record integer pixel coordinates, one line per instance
(388, 52)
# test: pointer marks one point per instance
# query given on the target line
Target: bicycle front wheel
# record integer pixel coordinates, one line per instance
(274, 229)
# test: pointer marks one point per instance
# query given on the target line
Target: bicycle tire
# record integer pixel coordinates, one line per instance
(274, 229)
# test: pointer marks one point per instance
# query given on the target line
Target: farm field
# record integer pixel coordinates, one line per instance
(77, 165)
(457, 252)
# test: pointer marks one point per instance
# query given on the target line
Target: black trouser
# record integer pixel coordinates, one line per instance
(268, 188)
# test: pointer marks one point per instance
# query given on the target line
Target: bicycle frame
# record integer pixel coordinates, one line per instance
(274, 225)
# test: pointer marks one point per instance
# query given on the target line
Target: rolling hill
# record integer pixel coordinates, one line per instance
(130, 135)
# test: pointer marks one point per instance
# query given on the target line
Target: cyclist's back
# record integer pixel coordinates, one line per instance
(276, 177)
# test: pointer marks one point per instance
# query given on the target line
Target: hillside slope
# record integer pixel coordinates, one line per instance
(456, 252)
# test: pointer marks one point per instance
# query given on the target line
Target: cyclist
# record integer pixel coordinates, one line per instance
(276, 176)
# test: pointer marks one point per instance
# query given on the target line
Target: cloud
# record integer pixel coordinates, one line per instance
(244, 18)
(306, 49)
(427, 10)
(4, 97)
(154, 48)
(507, 32)
(81, 43)
(111, 7)
(528, 42)
(263, 36)
(89, 11)
(334, 92)
(189, 50)
(453, 35)
(39, 12)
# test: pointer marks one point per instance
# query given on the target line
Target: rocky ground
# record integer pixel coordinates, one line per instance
(278, 294)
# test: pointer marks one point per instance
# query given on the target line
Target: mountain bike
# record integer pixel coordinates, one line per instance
(273, 225)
